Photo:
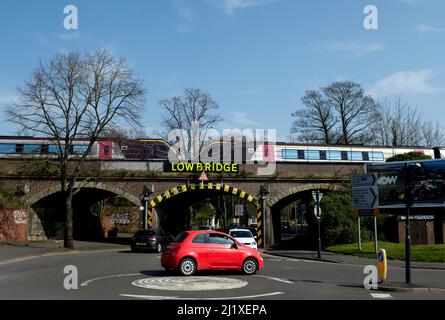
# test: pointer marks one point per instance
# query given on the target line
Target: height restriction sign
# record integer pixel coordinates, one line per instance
(203, 177)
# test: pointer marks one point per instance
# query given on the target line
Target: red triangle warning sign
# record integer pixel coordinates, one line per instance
(203, 177)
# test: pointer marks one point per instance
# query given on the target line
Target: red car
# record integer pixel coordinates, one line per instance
(209, 250)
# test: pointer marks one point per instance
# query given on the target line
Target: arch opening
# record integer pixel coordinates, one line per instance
(98, 215)
(195, 206)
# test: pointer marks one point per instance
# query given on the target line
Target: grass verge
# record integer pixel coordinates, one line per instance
(394, 251)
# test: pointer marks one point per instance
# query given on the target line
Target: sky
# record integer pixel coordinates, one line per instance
(256, 58)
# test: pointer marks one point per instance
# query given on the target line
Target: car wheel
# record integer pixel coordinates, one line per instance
(159, 248)
(187, 267)
(249, 266)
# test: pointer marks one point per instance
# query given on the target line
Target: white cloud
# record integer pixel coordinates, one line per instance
(230, 6)
(406, 82)
(424, 28)
(357, 49)
(243, 119)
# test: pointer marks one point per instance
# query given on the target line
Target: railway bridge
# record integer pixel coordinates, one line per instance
(109, 196)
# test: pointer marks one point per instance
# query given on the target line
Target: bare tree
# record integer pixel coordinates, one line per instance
(354, 110)
(398, 124)
(316, 122)
(73, 97)
(191, 116)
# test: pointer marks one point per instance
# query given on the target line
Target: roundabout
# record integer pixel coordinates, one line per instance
(189, 283)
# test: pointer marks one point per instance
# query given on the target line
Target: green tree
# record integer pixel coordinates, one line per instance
(410, 156)
(337, 223)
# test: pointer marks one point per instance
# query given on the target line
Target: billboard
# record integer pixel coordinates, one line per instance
(428, 183)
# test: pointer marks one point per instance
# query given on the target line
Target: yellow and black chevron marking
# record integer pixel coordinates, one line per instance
(149, 218)
(209, 186)
(259, 219)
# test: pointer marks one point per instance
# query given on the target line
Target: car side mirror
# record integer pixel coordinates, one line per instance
(234, 246)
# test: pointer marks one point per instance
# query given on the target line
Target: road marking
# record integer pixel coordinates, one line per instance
(274, 259)
(218, 298)
(86, 283)
(189, 283)
(275, 279)
(381, 296)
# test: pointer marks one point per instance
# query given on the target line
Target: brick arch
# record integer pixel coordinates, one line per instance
(30, 200)
(274, 199)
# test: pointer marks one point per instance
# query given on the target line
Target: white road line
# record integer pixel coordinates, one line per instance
(381, 296)
(86, 283)
(274, 259)
(179, 298)
(275, 279)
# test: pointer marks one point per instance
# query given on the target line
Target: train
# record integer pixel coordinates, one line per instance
(216, 151)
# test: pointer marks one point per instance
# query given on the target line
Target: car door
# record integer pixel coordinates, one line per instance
(199, 249)
(222, 253)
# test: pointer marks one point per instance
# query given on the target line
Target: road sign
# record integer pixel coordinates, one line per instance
(203, 177)
(314, 195)
(317, 211)
(364, 180)
(364, 198)
(365, 193)
(239, 210)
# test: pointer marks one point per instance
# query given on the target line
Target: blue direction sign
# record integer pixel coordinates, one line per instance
(365, 193)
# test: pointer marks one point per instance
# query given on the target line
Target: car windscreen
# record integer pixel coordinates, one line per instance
(181, 237)
(145, 233)
(241, 234)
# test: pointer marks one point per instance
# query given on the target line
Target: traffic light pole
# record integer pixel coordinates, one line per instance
(319, 225)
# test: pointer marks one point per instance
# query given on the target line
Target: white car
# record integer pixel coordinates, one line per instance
(244, 236)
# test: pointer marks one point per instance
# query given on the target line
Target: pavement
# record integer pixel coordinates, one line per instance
(393, 286)
(22, 250)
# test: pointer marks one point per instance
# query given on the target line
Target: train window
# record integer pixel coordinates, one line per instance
(44, 149)
(377, 156)
(334, 155)
(365, 156)
(312, 155)
(301, 154)
(289, 154)
(31, 148)
(106, 150)
(356, 156)
(124, 148)
(52, 148)
(266, 151)
(7, 148)
(292, 154)
(344, 155)
(19, 148)
(210, 153)
(322, 155)
(79, 149)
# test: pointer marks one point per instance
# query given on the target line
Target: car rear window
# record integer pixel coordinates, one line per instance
(241, 234)
(145, 233)
(181, 237)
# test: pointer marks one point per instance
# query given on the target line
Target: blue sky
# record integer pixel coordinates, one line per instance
(256, 58)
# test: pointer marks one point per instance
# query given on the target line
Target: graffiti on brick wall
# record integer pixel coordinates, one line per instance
(20, 217)
(122, 218)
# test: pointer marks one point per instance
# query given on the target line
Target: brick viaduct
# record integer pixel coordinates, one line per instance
(127, 179)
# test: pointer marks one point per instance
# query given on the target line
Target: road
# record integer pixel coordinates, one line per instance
(126, 275)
